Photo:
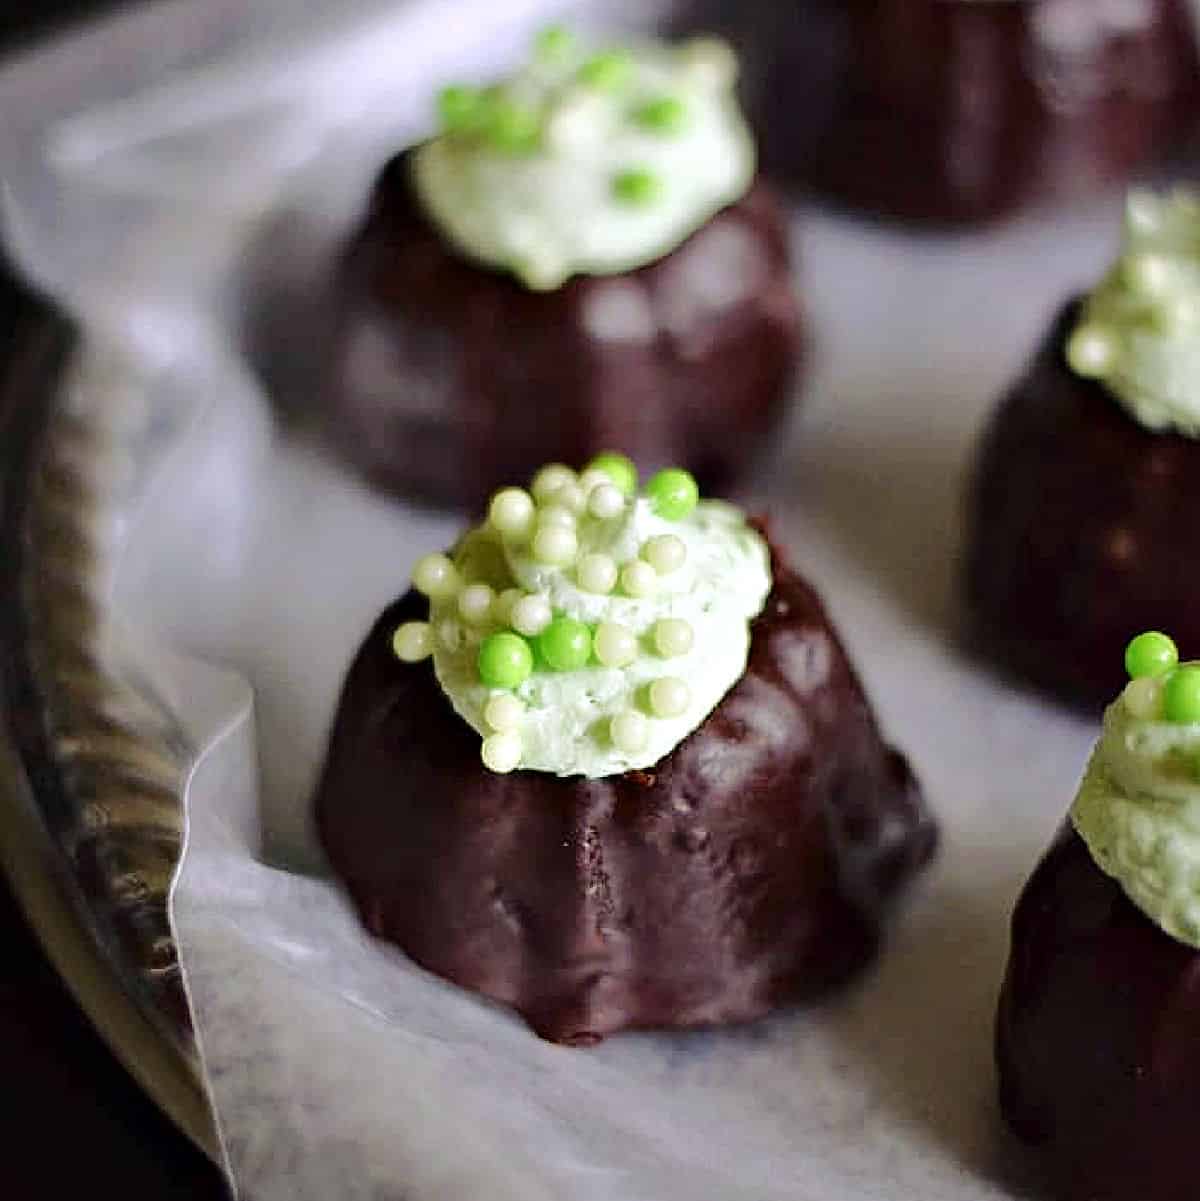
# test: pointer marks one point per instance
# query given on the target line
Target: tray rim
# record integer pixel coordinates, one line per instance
(102, 920)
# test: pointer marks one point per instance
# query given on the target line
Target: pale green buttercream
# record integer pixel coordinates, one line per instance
(1139, 331)
(720, 587)
(555, 202)
(1138, 810)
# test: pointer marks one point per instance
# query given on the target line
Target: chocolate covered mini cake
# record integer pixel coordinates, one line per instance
(1085, 503)
(1098, 1040)
(592, 230)
(962, 111)
(608, 764)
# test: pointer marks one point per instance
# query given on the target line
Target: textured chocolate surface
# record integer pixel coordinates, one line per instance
(1084, 531)
(952, 111)
(450, 379)
(1098, 1039)
(749, 869)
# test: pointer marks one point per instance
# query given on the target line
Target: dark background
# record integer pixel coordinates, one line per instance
(79, 1122)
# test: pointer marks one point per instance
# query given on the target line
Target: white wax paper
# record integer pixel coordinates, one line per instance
(184, 216)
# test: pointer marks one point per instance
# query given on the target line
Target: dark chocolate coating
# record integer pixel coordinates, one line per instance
(1098, 1038)
(1084, 531)
(748, 869)
(450, 379)
(953, 111)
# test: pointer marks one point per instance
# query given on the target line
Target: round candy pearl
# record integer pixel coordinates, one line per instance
(618, 468)
(1181, 695)
(475, 603)
(596, 573)
(673, 637)
(501, 753)
(531, 615)
(413, 641)
(555, 546)
(556, 515)
(665, 553)
(502, 606)
(629, 731)
(511, 512)
(1150, 654)
(669, 697)
(450, 634)
(503, 713)
(606, 501)
(436, 577)
(505, 660)
(570, 497)
(1148, 273)
(550, 479)
(593, 477)
(615, 644)
(638, 578)
(673, 493)
(1143, 698)
(1091, 351)
(565, 644)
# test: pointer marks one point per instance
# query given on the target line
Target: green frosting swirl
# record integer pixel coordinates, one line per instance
(587, 162)
(1139, 332)
(1138, 809)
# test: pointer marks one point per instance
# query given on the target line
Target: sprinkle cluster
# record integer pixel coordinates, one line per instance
(519, 632)
(1160, 687)
(505, 121)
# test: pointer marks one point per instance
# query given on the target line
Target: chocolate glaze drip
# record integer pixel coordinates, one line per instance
(1083, 531)
(748, 869)
(955, 111)
(450, 379)
(1098, 1038)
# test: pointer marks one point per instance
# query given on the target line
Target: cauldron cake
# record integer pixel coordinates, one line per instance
(593, 229)
(957, 112)
(608, 763)
(1085, 505)
(1098, 1038)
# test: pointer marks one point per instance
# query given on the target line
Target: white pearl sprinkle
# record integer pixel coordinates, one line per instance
(606, 501)
(596, 573)
(592, 479)
(557, 516)
(531, 615)
(669, 697)
(475, 603)
(614, 644)
(501, 753)
(413, 641)
(550, 479)
(554, 545)
(673, 637)
(665, 553)
(503, 713)
(1091, 351)
(638, 578)
(436, 577)
(1143, 697)
(629, 731)
(511, 512)
(570, 497)
(502, 606)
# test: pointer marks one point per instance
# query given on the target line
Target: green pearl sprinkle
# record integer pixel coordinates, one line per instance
(664, 115)
(565, 644)
(512, 128)
(553, 42)
(608, 71)
(459, 108)
(505, 660)
(619, 468)
(1181, 695)
(637, 186)
(673, 493)
(1150, 654)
